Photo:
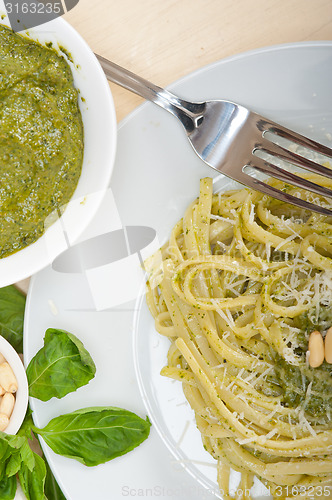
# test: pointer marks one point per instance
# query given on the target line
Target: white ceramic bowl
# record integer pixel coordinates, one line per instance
(22, 393)
(100, 132)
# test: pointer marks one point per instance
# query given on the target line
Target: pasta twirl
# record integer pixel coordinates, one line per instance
(242, 282)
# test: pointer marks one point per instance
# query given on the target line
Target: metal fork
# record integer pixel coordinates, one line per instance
(228, 136)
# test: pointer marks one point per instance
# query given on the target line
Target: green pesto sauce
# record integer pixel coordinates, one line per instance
(41, 138)
(308, 322)
(295, 381)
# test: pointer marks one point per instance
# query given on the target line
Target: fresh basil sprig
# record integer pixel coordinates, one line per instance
(90, 435)
(33, 479)
(12, 305)
(18, 458)
(95, 435)
(61, 366)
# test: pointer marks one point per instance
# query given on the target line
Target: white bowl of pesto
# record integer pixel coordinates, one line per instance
(55, 159)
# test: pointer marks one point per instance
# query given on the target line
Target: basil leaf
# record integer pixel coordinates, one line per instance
(3, 450)
(12, 304)
(14, 450)
(95, 435)
(9, 453)
(9, 444)
(27, 455)
(61, 366)
(8, 487)
(13, 465)
(52, 489)
(32, 482)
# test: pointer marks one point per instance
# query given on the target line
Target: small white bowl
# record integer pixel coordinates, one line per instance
(100, 134)
(22, 394)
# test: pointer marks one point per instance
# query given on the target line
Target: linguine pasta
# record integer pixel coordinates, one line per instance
(241, 283)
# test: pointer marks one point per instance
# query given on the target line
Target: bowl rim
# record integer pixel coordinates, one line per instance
(22, 394)
(31, 259)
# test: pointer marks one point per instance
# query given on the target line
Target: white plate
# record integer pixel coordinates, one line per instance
(156, 175)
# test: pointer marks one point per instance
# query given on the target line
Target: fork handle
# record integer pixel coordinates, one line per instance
(187, 112)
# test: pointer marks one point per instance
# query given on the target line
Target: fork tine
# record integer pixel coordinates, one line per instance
(279, 195)
(302, 140)
(283, 175)
(294, 158)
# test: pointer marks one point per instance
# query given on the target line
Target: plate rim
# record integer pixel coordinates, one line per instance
(229, 59)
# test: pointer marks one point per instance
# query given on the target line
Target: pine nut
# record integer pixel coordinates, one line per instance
(328, 345)
(2, 358)
(4, 421)
(7, 378)
(316, 349)
(7, 404)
